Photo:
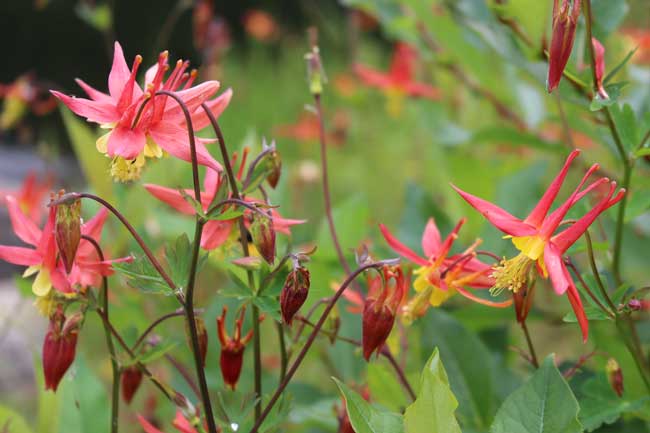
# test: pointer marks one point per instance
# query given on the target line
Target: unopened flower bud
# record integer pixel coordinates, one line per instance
(523, 299)
(615, 376)
(565, 21)
(333, 324)
(59, 347)
(131, 380)
(275, 169)
(264, 237)
(635, 304)
(232, 349)
(294, 293)
(68, 231)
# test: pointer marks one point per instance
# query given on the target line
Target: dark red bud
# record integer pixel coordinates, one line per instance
(615, 376)
(131, 380)
(264, 237)
(377, 322)
(523, 299)
(294, 293)
(565, 21)
(231, 360)
(59, 347)
(275, 169)
(67, 231)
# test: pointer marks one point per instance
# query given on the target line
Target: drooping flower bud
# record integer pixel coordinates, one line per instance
(131, 380)
(232, 349)
(294, 293)
(68, 231)
(599, 53)
(264, 237)
(202, 335)
(523, 299)
(275, 169)
(565, 21)
(615, 376)
(59, 347)
(380, 308)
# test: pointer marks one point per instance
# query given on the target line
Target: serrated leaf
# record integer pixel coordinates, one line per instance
(434, 408)
(143, 276)
(544, 404)
(600, 405)
(365, 418)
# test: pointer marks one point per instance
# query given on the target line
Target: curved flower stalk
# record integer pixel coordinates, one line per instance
(142, 123)
(440, 274)
(43, 260)
(215, 232)
(541, 249)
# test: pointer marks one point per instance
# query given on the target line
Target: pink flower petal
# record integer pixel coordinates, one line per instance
(24, 228)
(148, 427)
(579, 311)
(483, 301)
(421, 90)
(94, 111)
(126, 142)
(400, 248)
(431, 242)
(217, 106)
(19, 255)
(193, 98)
(119, 74)
(94, 94)
(211, 183)
(172, 197)
(215, 234)
(373, 77)
(174, 140)
(538, 214)
(501, 219)
(60, 280)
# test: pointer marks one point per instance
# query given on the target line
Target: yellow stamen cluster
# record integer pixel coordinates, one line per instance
(126, 170)
(513, 274)
(416, 306)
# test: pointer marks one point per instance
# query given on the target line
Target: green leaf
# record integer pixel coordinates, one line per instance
(11, 422)
(433, 410)
(228, 214)
(268, 305)
(626, 124)
(141, 275)
(179, 258)
(156, 352)
(614, 92)
(385, 388)
(618, 67)
(198, 207)
(600, 405)
(365, 418)
(514, 137)
(468, 365)
(544, 404)
(93, 164)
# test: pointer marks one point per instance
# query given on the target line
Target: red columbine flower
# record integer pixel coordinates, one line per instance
(31, 196)
(59, 347)
(565, 21)
(294, 293)
(141, 124)
(232, 349)
(215, 232)
(535, 239)
(399, 81)
(380, 308)
(440, 275)
(599, 52)
(131, 380)
(180, 423)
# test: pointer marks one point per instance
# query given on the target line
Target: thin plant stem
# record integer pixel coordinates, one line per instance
(312, 337)
(115, 367)
(150, 328)
(593, 297)
(243, 239)
(191, 279)
(594, 270)
(531, 347)
(182, 370)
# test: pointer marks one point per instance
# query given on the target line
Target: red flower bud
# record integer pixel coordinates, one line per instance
(264, 237)
(202, 335)
(275, 169)
(615, 375)
(294, 293)
(59, 347)
(565, 21)
(380, 308)
(523, 299)
(67, 231)
(131, 380)
(599, 53)
(232, 349)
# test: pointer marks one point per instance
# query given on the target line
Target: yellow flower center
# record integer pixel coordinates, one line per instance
(513, 274)
(416, 306)
(424, 281)
(126, 170)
